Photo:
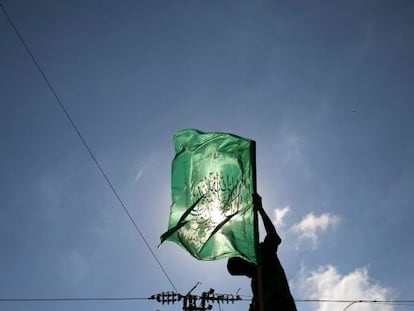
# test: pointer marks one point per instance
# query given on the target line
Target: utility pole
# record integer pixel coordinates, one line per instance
(189, 301)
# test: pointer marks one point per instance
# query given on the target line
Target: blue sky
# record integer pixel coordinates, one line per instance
(325, 89)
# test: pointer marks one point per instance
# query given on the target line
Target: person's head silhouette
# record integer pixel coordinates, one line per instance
(239, 266)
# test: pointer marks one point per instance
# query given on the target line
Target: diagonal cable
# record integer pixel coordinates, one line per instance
(86, 145)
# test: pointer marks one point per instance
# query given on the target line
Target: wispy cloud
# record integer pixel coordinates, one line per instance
(139, 174)
(327, 283)
(290, 147)
(75, 267)
(310, 226)
(279, 215)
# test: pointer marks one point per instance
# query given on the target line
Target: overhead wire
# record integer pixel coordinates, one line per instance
(72, 299)
(355, 301)
(85, 144)
(350, 303)
(408, 303)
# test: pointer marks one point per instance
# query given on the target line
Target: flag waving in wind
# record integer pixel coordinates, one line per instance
(213, 181)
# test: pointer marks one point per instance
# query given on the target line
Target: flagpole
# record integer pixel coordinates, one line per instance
(259, 272)
(260, 287)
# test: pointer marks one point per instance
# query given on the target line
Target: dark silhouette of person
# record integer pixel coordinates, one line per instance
(275, 287)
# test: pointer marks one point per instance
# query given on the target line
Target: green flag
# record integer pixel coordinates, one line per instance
(213, 180)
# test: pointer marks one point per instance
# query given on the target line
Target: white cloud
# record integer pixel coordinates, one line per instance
(327, 283)
(311, 225)
(280, 214)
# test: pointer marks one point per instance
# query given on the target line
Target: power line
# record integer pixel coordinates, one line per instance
(407, 303)
(86, 145)
(394, 302)
(72, 299)
(305, 300)
(355, 301)
(349, 305)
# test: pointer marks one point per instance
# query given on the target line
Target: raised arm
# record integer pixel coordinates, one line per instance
(271, 234)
